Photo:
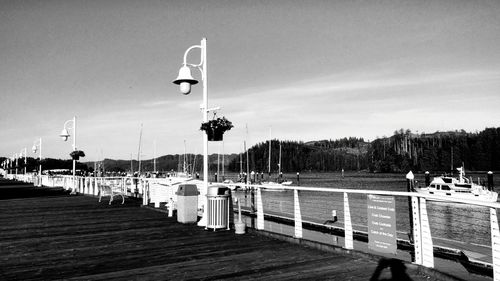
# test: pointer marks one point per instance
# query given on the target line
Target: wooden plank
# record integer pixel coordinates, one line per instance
(75, 237)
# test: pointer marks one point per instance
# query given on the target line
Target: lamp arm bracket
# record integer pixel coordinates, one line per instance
(186, 54)
(66, 123)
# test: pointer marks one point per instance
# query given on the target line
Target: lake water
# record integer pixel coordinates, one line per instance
(449, 221)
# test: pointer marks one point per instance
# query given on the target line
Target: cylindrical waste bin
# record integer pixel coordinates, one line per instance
(218, 207)
(187, 203)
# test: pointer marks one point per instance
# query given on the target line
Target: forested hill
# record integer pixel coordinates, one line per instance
(439, 151)
(404, 151)
(325, 155)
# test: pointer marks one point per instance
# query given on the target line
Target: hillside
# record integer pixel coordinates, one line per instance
(404, 151)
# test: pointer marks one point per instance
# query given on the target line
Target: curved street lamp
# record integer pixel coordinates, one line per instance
(65, 135)
(17, 162)
(5, 163)
(38, 144)
(185, 80)
(21, 155)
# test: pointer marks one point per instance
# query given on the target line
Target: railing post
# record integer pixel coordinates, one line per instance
(84, 186)
(297, 214)
(427, 245)
(101, 183)
(495, 244)
(417, 242)
(422, 238)
(348, 237)
(89, 185)
(88, 182)
(156, 200)
(260, 210)
(145, 191)
(123, 186)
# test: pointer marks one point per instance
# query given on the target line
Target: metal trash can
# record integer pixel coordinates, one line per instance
(218, 198)
(187, 203)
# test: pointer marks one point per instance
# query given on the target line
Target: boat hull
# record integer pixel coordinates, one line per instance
(452, 194)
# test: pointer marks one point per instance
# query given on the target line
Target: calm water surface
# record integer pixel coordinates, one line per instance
(459, 222)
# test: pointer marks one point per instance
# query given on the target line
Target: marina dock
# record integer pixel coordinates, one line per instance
(46, 234)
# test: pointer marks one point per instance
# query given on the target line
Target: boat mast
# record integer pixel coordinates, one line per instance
(193, 168)
(102, 162)
(139, 152)
(184, 168)
(245, 148)
(223, 175)
(269, 161)
(131, 165)
(279, 163)
(154, 156)
(248, 162)
(451, 167)
(241, 163)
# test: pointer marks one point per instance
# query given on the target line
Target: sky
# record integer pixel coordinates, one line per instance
(289, 70)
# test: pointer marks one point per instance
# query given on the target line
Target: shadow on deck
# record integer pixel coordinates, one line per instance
(46, 234)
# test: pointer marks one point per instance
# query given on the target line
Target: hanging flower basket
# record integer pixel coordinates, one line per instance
(216, 128)
(75, 155)
(215, 135)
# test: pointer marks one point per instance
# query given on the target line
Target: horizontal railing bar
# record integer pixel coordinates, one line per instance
(376, 192)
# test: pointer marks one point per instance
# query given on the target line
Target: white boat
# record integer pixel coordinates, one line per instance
(461, 188)
(275, 186)
(178, 177)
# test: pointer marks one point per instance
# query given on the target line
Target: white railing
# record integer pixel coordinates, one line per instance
(290, 204)
(297, 202)
(151, 190)
(28, 178)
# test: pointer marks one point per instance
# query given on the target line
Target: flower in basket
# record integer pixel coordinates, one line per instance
(75, 155)
(216, 127)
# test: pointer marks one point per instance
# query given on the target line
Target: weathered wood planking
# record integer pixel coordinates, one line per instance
(75, 237)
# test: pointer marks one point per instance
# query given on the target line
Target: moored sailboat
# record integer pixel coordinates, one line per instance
(279, 184)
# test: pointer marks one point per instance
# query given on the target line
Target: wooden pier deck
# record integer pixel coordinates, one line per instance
(47, 234)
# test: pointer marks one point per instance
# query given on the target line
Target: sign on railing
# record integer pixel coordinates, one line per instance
(381, 212)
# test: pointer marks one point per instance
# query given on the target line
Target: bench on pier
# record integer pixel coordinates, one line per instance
(111, 190)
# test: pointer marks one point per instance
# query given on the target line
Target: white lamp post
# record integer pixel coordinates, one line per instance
(21, 155)
(10, 161)
(37, 144)
(17, 162)
(65, 135)
(185, 80)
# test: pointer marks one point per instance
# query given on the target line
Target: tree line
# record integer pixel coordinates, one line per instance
(440, 151)
(404, 151)
(321, 156)
(401, 152)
